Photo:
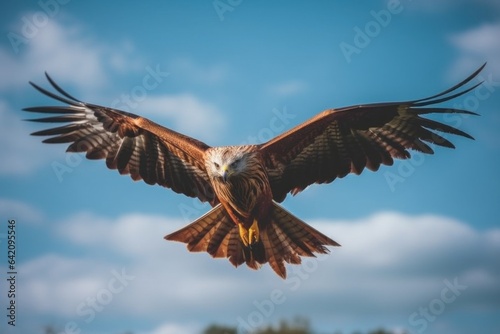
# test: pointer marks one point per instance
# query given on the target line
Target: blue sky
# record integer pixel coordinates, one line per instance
(420, 239)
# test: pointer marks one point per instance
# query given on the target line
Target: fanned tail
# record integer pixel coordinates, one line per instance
(287, 238)
(216, 234)
(284, 238)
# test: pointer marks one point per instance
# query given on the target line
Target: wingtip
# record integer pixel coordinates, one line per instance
(65, 98)
(454, 91)
(476, 72)
(472, 113)
(49, 78)
(335, 244)
(169, 237)
(46, 76)
(34, 85)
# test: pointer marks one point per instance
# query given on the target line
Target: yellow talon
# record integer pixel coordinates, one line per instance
(253, 232)
(251, 235)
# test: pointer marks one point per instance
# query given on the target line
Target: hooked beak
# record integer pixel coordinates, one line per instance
(225, 173)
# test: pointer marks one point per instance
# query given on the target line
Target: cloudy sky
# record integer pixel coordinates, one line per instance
(420, 240)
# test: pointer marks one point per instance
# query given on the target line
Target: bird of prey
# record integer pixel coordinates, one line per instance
(245, 184)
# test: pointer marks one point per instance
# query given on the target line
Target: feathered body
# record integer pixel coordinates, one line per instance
(247, 226)
(244, 184)
(240, 182)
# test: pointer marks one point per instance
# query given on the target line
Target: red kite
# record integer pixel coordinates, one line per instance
(244, 184)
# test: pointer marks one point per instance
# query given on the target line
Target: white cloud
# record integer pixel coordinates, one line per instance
(171, 328)
(407, 235)
(59, 284)
(133, 235)
(66, 54)
(479, 39)
(477, 45)
(190, 114)
(287, 88)
(389, 254)
(20, 211)
(57, 51)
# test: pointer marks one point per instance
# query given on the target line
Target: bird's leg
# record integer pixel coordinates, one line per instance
(253, 232)
(251, 235)
(243, 234)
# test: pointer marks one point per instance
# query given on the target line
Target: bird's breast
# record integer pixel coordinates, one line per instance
(245, 197)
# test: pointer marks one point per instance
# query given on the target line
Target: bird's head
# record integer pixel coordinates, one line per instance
(228, 161)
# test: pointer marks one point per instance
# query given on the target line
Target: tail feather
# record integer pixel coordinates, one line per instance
(297, 234)
(291, 248)
(198, 234)
(235, 253)
(304, 236)
(254, 256)
(216, 234)
(284, 238)
(217, 245)
(287, 238)
(274, 251)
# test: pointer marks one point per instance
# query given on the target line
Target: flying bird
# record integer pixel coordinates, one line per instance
(245, 184)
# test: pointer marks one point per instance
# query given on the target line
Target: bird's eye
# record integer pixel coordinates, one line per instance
(235, 163)
(216, 165)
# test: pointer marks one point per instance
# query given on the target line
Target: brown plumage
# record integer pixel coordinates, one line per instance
(244, 184)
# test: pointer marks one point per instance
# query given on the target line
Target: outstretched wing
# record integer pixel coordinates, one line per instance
(131, 144)
(346, 140)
